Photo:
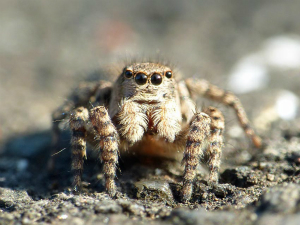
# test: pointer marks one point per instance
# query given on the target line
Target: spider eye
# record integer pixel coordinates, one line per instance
(168, 74)
(128, 73)
(141, 78)
(156, 79)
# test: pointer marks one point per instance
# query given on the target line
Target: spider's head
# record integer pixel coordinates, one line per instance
(147, 82)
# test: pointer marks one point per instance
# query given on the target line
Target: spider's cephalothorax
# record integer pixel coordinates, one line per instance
(148, 108)
(145, 100)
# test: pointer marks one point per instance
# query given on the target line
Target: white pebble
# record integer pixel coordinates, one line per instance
(287, 105)
(283, 52)
(252, 71)
(248, 75)
(62, 216)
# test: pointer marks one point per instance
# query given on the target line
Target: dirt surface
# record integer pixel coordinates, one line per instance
(47, 47)
(264, 190)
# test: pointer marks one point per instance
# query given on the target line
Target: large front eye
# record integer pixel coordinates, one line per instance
(156, 79)
(141, 78)
(128, 73)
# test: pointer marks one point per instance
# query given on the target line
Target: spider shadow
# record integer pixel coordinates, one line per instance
(23, 164)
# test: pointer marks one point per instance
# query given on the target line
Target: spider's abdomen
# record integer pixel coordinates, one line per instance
(154, 146)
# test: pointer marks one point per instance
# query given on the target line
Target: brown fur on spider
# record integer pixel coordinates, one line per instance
(147, 105)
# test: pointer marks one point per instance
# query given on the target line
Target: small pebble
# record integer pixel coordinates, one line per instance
(62, 216)
(270, 177)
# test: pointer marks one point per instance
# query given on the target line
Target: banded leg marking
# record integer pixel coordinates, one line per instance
(108, 145)
(196, 142)
(78, 120)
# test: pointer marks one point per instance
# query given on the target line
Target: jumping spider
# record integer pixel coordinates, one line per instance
(147, 109)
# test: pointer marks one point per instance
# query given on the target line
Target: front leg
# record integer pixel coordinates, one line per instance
(80, 97)
(196, 142)
(108, 141)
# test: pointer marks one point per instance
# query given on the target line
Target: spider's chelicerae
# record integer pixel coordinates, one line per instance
(146, 109)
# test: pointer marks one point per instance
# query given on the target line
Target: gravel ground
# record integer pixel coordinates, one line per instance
(46, 47)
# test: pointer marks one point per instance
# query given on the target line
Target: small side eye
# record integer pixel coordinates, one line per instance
(128, 73)
(168, 74)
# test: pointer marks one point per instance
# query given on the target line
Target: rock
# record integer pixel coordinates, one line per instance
(281, 199)
(270, 177)
(132, 208)
(278, 219)
(200, 216)
(108, 206)
(10, 199)
(242, 176)
(155, 190)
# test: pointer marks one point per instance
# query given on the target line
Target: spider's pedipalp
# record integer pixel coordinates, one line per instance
(133, 121)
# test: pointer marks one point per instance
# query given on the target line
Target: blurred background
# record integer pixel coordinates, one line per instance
(46, 47)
